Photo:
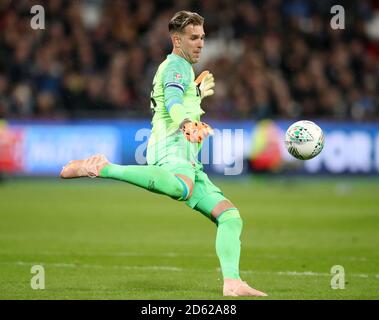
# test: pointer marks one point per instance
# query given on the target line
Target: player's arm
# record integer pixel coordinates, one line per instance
(194, 131)
(173, 93)
(175, 84)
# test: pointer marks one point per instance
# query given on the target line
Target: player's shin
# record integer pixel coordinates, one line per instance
(228, 245)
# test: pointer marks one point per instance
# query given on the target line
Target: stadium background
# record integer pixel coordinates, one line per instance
(82, 86)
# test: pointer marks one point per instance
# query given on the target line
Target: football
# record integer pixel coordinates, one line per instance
(304, 140)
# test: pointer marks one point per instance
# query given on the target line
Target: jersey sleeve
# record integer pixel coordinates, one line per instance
(176, 79)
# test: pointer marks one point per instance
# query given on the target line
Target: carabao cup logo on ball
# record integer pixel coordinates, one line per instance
(304, 140)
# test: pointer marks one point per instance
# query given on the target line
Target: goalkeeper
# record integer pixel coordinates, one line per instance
(172, 153)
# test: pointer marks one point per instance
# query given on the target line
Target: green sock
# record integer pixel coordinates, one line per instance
(228, 245)
(151, 178)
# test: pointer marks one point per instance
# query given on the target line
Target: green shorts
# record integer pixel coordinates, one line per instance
(179, 156)
(202, 185)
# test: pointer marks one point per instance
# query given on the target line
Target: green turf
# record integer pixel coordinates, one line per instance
(101, 239)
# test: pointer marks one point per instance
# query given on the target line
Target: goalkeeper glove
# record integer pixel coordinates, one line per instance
(205, 82)
(195, 131)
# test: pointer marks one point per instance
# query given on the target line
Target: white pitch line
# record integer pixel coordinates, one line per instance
(287, 273)
(168, 255)
(93, 266)
(126, 254)
(171, 268)
(305, 273)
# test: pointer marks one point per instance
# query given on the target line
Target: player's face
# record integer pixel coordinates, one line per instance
(192, 42)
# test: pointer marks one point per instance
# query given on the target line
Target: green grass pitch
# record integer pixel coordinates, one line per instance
(102, 239)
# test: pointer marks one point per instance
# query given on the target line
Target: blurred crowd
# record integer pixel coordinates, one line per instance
(276, 59)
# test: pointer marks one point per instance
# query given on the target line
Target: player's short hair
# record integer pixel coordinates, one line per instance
(184, 18)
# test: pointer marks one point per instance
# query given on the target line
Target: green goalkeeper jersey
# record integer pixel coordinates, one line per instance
(173, 84)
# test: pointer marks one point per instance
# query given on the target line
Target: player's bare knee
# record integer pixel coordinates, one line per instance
(222, 207)
(185, 188)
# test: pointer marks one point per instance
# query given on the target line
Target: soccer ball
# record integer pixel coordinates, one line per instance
(304, 140)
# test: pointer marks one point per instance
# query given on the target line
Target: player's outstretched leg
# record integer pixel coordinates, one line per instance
(228, 246)
(149, 177)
